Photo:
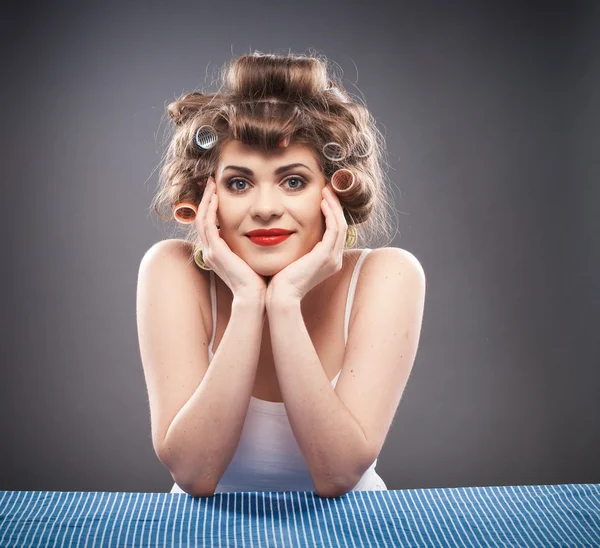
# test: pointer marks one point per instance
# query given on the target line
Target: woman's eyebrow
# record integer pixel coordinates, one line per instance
(278, 171)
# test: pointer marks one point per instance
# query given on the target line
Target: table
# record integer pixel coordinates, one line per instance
(533, 515)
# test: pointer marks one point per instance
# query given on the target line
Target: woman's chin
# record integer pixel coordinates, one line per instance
(267, 266)
(266, 272)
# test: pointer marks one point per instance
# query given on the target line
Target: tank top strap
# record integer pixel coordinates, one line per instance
(352, 290)
(213, 308)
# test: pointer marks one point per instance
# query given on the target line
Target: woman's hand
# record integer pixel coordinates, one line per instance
(325, 259)
(232, 269)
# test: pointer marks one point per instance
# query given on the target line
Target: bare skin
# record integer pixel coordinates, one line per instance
(323, 311)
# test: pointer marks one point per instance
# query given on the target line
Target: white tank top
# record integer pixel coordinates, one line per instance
(268, 457)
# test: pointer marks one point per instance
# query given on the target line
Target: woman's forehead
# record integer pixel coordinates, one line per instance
(237, 153)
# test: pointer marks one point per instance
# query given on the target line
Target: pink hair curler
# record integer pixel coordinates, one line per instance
(185, 213)
(343, 177)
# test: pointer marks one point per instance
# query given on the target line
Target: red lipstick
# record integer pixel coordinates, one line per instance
(269, 240)
(268, 232)
(268, 236)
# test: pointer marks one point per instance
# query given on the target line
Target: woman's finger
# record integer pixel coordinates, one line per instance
(202, 208)
(331, 229)
(338, 212)
(210, 222)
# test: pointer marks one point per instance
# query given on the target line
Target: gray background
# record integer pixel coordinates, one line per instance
(491, 117)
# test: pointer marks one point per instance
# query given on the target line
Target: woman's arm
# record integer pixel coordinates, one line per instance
(204, 436)
(198, 409)
(332, 442)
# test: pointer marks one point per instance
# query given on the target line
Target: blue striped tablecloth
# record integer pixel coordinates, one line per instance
(537, 515)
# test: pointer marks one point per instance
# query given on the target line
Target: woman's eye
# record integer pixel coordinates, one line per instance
(299, 184)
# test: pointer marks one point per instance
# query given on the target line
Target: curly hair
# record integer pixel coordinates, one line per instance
(263, 98)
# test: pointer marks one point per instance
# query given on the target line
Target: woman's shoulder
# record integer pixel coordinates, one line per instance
(179, 254)
(390, 253)
(352, 255)
(165, 255)
(172, 249)
(380, 261)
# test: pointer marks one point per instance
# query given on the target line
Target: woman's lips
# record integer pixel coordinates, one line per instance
(269, 240)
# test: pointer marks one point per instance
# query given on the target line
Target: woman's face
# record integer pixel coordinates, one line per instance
(260, 197)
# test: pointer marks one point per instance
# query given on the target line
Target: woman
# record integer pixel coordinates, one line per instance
(308, 360)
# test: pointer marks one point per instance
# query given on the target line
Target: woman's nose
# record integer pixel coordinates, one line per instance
(266, 202)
